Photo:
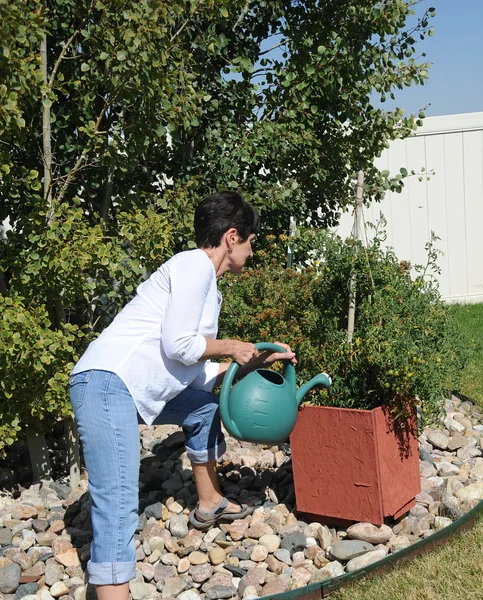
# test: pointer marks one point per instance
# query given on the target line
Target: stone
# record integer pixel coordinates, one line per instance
(22, 512)
(61, 545)
(173, 586)
(471, 492)
(197, 558)
(441, 522)
(467, 452)
(332, 569)
(349, 549)
(184, 565)
(69, 558)
(453, 425)
(274, 565)
(188, 595)
(367, 532)
(477, 469)
(259, 553)
(5, 536)
(152, 530)
(154, 510)
(216, 556)
(456, 441)
(447, 468)
(9, 578)
(221, 592)
(427, 469)
(254, 577)
(276, 586)
(59, 589)
(26, 589)
(324, 536)
(236, 530)
(147, 570)
(398, 542)
(178, 526)
(258, 530)
(437, 438)
(271, 542)
(200, 573)
(222, 579)
(170, 559)
(53, 572)
(163, 572)
(283, 555)
(293, 542)
(46, 538)
(365, 560)
(35, 572)
(140, 590)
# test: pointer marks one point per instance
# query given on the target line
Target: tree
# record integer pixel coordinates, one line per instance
(127, 112)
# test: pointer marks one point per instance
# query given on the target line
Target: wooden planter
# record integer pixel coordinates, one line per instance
(354, 465)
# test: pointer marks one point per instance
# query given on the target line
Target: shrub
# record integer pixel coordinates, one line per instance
(405, 349)
(35, 362)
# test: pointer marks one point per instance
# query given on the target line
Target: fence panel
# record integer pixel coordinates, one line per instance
(450, 202)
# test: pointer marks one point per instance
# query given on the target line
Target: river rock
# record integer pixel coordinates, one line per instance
(367, 532)
(437, 438)
(293, 542)
(220, 592)
(59, 589)
(471, 492)
(271, 542)
(349, 549)
(365, 560)
(9, 578)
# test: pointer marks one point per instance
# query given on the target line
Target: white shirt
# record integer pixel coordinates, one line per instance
(155, 343)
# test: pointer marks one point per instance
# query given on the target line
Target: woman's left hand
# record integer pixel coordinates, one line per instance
(268, 357)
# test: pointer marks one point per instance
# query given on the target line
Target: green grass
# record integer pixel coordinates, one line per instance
(453, 571)
(470, 321)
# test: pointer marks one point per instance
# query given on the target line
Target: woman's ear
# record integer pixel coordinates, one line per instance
(231, 237)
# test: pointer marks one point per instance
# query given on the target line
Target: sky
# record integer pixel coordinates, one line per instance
(455, 82)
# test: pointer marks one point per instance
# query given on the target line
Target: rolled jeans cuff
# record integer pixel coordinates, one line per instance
(204, 456)
(107, 573)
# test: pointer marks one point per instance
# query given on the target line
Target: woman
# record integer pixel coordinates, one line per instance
(154, 360)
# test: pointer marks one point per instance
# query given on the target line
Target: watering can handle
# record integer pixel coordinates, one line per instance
(233, 368)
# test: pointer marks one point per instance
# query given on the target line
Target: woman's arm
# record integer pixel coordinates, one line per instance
(241, 352)
(263, 359)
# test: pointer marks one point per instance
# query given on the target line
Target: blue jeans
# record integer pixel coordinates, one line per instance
(107, 420)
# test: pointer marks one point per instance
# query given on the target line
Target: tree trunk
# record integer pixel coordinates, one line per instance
(39, 457)
(46, 132)
(356, 235)
(73, 458)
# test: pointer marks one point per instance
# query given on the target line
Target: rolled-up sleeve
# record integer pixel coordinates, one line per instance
(189, 287)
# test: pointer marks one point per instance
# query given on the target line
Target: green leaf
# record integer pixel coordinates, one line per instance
(84, 67)
(224, 12)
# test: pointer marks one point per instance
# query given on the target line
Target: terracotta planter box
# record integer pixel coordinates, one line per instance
(354, 465)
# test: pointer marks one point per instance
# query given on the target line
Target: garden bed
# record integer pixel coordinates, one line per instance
(45, 528)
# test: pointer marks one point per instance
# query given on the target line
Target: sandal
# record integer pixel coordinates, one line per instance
(202, 519)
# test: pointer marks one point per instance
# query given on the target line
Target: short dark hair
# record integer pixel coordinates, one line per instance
(221, 211)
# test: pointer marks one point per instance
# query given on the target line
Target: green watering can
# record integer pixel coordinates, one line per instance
(262, 407)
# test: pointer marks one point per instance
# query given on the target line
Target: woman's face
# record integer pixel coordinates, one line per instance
(241, 252)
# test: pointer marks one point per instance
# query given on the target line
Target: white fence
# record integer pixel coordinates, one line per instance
(450, 203)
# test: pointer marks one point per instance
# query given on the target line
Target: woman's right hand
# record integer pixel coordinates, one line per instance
(243, 352)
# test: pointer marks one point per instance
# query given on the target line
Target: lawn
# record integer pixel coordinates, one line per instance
(455, 570)
(470, 320)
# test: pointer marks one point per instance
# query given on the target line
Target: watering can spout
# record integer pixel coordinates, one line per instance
(322, 379)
